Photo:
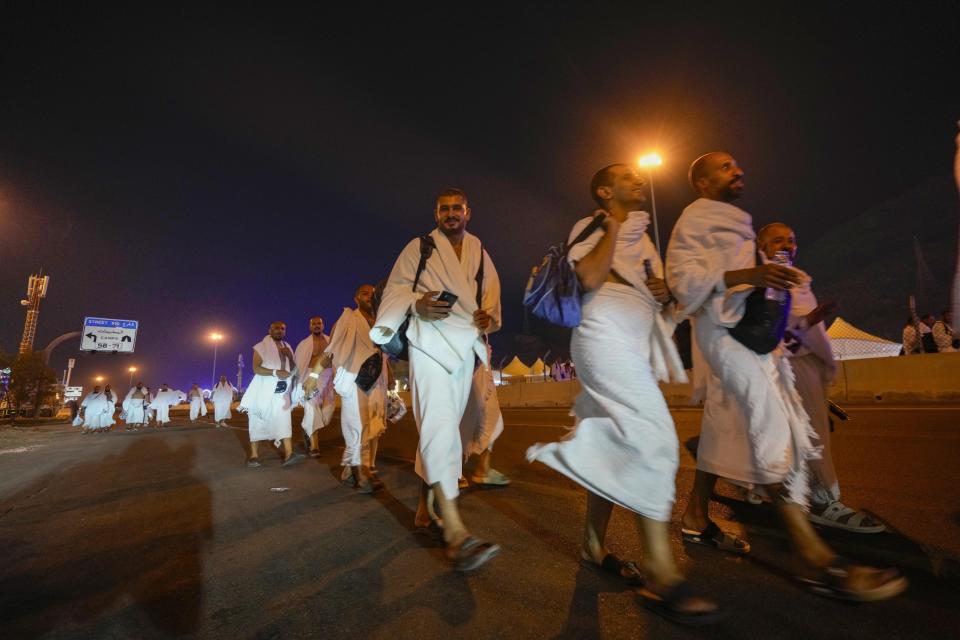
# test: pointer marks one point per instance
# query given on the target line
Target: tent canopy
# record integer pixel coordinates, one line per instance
(537, 368)
(850, 343)
(515, 368)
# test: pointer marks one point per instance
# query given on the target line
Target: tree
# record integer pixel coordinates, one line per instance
(31, 381)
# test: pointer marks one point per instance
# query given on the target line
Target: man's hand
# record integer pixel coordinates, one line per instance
(609, 224)
(283, 375)
(767, 275)
(658, 287)
(822, 313)
(309, 385)
(482, 319)
(429, 308)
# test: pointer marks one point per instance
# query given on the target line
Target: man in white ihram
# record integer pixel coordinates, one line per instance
(197, 406)
(222, 397)
(358, 363)
(318, 410)
(267, 400)
(445, 342)
(96, 410)
(135, 407)
(754, 428)
(623, 450)
(807, 345)
(165, 398)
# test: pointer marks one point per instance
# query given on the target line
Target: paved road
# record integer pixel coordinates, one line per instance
(166, 534)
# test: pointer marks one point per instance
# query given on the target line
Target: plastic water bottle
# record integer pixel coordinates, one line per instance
(783, 259)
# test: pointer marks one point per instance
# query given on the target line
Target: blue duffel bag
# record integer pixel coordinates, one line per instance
(553, 292)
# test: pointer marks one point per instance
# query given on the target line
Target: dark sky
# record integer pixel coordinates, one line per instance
(199, 170)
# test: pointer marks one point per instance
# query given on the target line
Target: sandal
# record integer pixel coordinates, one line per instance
(840, 516)
(714, 536)
(432, 530)
(494, 479)
(627, 571)
(472, 553)
(668, 605)
(832, 583)
(314, 453)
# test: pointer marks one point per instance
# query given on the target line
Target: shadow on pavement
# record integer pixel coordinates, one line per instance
(134, 551)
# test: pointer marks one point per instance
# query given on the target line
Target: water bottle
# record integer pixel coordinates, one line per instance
(783, 259)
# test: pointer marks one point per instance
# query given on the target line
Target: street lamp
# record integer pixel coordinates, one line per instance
(648, 162)
(132, 371)
(99, 378)
(216, 337)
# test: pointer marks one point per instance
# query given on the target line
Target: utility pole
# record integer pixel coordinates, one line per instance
(239, 372)
(36, 291)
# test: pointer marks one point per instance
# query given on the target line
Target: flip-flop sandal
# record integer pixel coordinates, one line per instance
(314, 453)
(473, 553)
(840, 516)
(627, 571)
(493, 480)
(831, 583)
(714, 536)
(295, 458)
(668, 604)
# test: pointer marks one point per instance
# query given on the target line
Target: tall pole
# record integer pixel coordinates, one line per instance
(653, 205)
(214, 374)
(239, 372)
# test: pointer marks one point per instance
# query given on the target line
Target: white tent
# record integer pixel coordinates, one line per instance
(850, 343)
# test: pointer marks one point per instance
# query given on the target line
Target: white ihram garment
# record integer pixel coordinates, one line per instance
(754, 429)
(98, 410)
(222, 397)
(811, 357)
(442, 352)
(269, 411)
(482, 421)
(163, 401)
(135, 409)
(362, 413)
(197, 406)
(624, 445)
(318, 411)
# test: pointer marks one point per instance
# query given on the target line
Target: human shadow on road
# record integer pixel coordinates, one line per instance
(134, 561)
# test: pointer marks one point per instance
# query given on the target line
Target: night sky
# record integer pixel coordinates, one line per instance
(209, 169)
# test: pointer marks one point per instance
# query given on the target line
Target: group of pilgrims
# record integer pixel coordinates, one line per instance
(765, 425)
(141, 407)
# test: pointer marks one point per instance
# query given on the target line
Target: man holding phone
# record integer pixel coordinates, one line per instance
(455, 304)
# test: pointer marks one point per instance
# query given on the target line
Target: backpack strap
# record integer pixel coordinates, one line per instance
(595, 224)
(479, 279)
(427, 245)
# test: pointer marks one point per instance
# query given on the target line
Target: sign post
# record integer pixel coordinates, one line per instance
(106, 335)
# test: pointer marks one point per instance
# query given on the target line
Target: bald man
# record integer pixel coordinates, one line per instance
(754, 429)
(807, 345)
(267, 399)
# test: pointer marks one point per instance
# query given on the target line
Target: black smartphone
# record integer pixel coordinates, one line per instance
(446, 296)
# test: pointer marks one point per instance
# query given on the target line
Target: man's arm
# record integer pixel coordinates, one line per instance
(592, 269)
(767, 275)
(258, 368)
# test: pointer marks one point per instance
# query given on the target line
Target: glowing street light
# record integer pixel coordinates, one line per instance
(132, 371)
(99, 378)
(216, 337)
(648, 162)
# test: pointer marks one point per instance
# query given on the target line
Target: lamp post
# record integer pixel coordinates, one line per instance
(132, 371)
(99, 379)
(648, 162)
(216, 337)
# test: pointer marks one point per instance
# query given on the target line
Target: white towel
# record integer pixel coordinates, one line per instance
(456, 338)
(350, 345)
(633, 246)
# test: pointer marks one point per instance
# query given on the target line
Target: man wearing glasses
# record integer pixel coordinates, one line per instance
(453, 304)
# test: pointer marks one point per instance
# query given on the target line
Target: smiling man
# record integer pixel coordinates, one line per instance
(754, 428)
(453, 304)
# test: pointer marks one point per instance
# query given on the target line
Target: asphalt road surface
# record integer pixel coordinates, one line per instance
(166, 533)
